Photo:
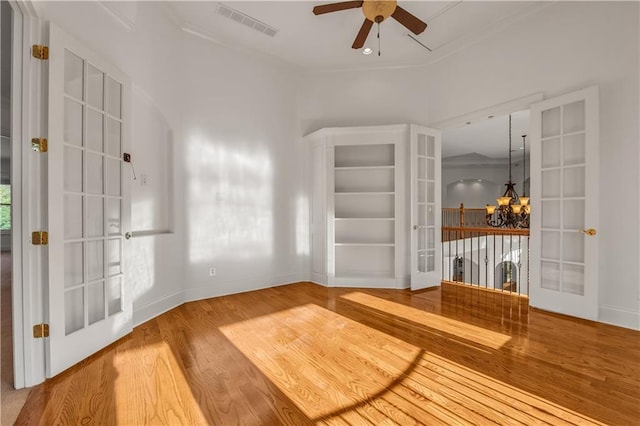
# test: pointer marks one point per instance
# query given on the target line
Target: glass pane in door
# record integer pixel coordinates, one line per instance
(113, 177)
(95, 174)
(563, 181)
(73, 264)
(95, 260)
(74, 310)
(114, 295)
(73, 75)
(95, 217)
(95, 130)
(95, 87)
(72, 122)
(573, 117)
(92, 194)
(95, 301)
(114, 96)
(113, 216)
(425, 197)
(73, 169)
(73, 218)
(422, 261)
(114, 137)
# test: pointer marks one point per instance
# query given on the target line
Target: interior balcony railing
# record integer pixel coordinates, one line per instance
(478, 255)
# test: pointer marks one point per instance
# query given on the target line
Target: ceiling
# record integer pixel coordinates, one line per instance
(324, 42)
(487, 138)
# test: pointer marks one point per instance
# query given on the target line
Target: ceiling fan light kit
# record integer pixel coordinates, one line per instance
(374, 11)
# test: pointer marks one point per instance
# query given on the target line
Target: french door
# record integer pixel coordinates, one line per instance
(88, 203)
(425, 172)
(564, 194)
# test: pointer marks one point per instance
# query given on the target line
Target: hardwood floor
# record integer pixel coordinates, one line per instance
(305, 354)
(12, 400)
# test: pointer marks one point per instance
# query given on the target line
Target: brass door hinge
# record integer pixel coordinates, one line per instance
(40, 238)
(40, 331)
(40, 51)
(40, 144)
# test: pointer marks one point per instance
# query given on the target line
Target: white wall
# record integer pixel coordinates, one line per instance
(564, 47)
(244, 195)
(5, 116)
(239, 192)
(460, 184)
(473, 193)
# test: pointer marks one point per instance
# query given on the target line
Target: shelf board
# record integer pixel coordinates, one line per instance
(365, 218)
(363, 167)
(364, 193)
(364, 244)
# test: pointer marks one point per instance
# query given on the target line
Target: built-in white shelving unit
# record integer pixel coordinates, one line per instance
(358, 213)
(374, 198)
(364, 193)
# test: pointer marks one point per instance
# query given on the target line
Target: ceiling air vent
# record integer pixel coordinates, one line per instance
(246, 20)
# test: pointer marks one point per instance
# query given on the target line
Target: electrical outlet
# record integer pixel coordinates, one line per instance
(212, 272)
(143, 179)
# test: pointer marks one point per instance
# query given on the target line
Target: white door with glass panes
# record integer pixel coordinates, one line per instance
(426, 252)
(564, 194)
(88, 201)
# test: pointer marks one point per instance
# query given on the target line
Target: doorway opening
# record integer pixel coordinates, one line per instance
(506, 277)
(476, 165)
(12, 399)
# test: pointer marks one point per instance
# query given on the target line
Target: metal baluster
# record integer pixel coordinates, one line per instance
(471, 258)
(502, 264)
(493, 262)
(528, 265)
(519, 262)
(486, 260)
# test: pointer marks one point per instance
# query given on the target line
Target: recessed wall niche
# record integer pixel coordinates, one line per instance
(152, 159)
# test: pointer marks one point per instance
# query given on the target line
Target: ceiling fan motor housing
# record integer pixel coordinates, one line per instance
(377, 11)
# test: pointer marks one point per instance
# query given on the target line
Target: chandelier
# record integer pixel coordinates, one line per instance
(512, 211)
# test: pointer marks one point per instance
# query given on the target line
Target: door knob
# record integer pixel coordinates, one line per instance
(590, 232)
(128, 235)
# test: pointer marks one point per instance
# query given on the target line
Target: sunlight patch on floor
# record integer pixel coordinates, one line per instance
(470, 332)
(437, 377)
(339, 371)
(323, 362)
(150, 388)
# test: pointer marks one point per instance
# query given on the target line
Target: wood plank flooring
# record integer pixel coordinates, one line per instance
(305, 354)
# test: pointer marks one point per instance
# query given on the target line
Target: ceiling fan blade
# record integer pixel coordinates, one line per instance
(412, 23)
(334, 7)
(362, 34)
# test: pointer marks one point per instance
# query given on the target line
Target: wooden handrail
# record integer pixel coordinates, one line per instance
(463, 216)
(487, 230)
(456, 209)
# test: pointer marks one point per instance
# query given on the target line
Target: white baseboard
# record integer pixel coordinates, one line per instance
(403, 282)
(619, 316)
(239, 286)
(151, 310)
(364, 282)
(318, 279)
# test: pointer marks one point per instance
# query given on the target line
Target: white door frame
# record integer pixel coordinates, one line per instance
(583, 305)
(504, 108)
(425, 279)
(28, 120)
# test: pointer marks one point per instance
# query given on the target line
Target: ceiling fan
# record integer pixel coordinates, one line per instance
(374, 11)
